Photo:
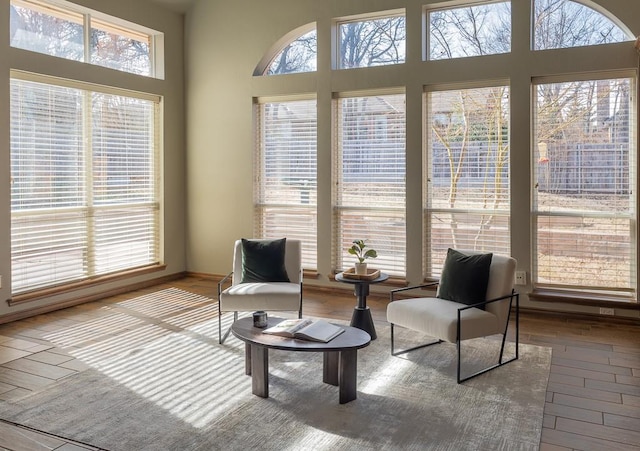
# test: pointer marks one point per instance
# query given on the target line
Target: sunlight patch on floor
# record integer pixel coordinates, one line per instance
(164, 347)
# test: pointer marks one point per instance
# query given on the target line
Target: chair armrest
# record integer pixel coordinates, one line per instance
(424, 285)
(222, 282)
(501, 298)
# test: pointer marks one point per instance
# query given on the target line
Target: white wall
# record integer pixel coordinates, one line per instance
(225, 42)
(171, 88)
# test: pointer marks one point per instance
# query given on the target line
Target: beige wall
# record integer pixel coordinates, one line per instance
(227, 39)
(172, 90)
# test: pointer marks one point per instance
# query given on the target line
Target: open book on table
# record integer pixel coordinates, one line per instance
(306, 329)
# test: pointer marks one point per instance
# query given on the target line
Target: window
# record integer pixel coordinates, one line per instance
(584, 201)
(58, 30)
(286, 162)
(376, 42)
(84, 183)
(467, 182)
(299, 55)
(565, 23)
(469, 31)
(370, 180)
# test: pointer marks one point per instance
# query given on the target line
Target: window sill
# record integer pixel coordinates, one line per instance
(582, 298)
(74, 286)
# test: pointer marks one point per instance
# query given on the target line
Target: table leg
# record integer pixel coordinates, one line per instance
(330, 367)
(361, 291)
(260, 371)
(247, 359)
(362, 319)
(347, 375)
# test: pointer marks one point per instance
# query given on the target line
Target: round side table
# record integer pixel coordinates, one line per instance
(361, 317)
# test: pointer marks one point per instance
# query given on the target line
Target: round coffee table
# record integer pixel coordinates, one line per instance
(361, 317)
(339, 362)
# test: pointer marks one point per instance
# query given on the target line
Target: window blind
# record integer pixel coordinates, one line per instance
(370, 188)
(467, 183)
(84, 186)
(286, 174)
(584, 164)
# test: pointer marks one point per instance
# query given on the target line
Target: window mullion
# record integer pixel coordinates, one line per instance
(88, 182)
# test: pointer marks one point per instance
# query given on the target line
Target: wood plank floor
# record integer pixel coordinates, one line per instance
(593, 396)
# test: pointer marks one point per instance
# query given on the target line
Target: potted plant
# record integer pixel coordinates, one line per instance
(358, 249)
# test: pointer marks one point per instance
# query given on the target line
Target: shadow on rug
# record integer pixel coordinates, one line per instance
(176, 388)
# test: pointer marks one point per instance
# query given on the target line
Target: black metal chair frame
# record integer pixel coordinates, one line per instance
(511, 297)
(224, 280)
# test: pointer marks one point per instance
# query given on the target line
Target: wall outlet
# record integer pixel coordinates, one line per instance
(521, 277)
(0, 281)
(606, 311)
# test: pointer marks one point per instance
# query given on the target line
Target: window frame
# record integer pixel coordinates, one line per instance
(431, 267)
(90, 208)
(440, 7)
(570, 291)
(260, 207)
(337, 35)
(340, 257)
(105, 23)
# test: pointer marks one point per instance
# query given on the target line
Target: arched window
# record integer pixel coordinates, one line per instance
(299, 54)
(565, 23)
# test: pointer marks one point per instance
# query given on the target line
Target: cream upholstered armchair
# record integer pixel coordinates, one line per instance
(267, 275)
(474, 299)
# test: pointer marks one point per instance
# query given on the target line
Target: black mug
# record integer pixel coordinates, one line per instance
(260, 319)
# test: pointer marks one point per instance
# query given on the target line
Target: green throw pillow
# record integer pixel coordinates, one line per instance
(465, 277)
(263, 261)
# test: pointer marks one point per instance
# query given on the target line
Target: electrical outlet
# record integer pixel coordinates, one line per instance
(0, 281)
(521, 277)
(606, 311)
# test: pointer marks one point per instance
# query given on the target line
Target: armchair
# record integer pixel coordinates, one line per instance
(453, 321)
(241, 296)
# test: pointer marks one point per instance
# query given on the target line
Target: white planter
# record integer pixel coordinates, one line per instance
(361, 269)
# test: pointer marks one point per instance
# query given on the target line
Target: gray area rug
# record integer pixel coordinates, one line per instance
(168, 385)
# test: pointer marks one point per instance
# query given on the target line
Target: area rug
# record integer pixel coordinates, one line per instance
(168, 385)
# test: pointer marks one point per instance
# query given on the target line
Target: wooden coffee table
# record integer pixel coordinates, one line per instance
(340, 355)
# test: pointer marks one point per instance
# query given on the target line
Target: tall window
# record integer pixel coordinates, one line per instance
(370, 179)
(374, 42)
(58, 29)
(286, 194)
(84, 184)
(467, 182)
(585, 173)
(483, 29)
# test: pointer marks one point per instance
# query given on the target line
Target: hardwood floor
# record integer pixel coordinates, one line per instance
(593, 396)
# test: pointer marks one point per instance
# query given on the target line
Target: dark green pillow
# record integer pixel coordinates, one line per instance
(263, 261)
(465, 277)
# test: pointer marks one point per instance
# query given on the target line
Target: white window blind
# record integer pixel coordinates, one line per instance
(370, 188)
(584, 164)
(467, 182)
(84, 184)
(286, 172)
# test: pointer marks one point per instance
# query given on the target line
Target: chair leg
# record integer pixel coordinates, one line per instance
(404, 351)
(222, 338)
(504, 337)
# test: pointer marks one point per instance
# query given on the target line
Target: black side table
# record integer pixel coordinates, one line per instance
(361, 317)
